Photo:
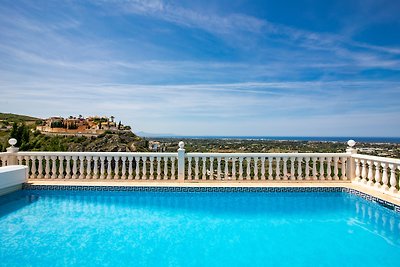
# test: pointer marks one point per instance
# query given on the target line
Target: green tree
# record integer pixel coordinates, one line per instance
(21, 133)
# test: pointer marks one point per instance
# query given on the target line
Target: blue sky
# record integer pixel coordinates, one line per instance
(320, 68)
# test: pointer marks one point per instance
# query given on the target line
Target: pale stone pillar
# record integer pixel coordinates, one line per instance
(12, 158)
(351, 163)
(181, 162)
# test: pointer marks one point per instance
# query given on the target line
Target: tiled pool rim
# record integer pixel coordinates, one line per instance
(384, 203)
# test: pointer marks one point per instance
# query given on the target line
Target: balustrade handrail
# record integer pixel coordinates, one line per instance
(249, 154)
(122, 154)
(376, 158)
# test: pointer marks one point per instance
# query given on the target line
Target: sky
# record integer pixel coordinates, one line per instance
(230, 68)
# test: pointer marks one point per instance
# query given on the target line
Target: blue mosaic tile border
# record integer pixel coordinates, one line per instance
(379, 201)
(384, 203)
(180, 188)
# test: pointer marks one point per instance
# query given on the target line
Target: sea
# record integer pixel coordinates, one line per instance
(297, 138)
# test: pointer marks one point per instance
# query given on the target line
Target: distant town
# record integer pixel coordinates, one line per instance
(81, 126)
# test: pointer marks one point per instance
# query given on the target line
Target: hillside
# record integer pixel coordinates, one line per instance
(9, 117)
(108, 142)
(31, 140)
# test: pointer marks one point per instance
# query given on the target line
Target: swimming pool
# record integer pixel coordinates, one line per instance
(231, 227)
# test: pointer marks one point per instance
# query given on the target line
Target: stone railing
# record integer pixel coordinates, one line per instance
(377, 172)
(374, 172)
(266, 166)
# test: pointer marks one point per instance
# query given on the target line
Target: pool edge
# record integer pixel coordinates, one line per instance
(378, 197)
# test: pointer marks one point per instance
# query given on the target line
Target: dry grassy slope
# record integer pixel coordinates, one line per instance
(17, 118)
(112, 142)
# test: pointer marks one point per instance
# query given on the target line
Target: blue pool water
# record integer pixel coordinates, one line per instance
(80, 228)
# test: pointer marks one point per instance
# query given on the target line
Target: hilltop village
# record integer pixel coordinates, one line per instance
(90, 126)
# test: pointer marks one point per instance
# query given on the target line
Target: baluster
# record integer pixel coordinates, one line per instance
(189, 168)
(88, 167)
(263, 168)
(218, 168)
(68, 167)
(314, 169)
(292, 171)
(96, 168)
(33, 175)
(385, 179)
(299, 169)
(370, 174)
(248, 171)
(393, 180)
(28, 164)
(204, 170)
(344, 168)
(321, 168)
(144, 168)
(173, 168)
(165, 168)
(278, 168)
(130, 168)
(211, 168)
(137, 168)
(226, 172)
(377, 174)
(307, 170)
(53, 167)
(151, 168)
(240, 168)
(364, 171)
(398, 167)
(61, 167)
(81, 167)
(116, 168)
(357, 172)
(270, 159)
(19, 160)
(328, 168)
(196, 170)
(74, 167)
(47, 168)
(109, 170)
(234, 168)
(123, 171)
(158, 168)
(335, 168)
(285, 174)
(255, 159)
(102, 167)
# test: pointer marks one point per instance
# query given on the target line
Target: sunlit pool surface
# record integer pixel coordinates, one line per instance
(82, 228)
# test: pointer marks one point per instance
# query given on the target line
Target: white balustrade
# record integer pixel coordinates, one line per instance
(378, 172)
(266, 166)
(98, 165)
(375, 172)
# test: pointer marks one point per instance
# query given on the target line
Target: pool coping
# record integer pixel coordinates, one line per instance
(379, 197)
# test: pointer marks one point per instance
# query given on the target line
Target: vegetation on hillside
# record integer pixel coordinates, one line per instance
(7, 118)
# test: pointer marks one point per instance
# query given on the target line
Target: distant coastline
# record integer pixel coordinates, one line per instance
(290, 138)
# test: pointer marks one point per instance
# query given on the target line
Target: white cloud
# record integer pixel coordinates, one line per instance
(266, 91)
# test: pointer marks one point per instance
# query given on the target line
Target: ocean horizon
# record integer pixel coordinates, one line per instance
(291, 138)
